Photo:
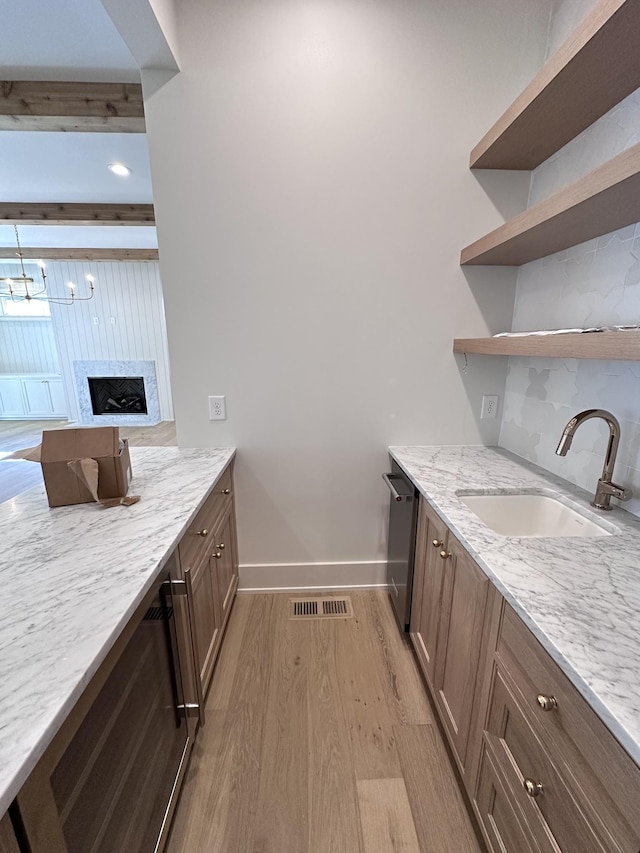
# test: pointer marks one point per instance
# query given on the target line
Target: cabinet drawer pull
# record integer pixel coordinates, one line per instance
(203, 532)
(225, 491)
(221, 546)
(217, 555)
(437, 543)
(547, 703)
(445, 554)
(532, 788)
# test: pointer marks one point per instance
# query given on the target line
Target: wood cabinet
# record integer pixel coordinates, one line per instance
(544, 774)
(447, 624)
(464, 602)
(572, 786)
(432, 540)
(8, 840)
(208, 552)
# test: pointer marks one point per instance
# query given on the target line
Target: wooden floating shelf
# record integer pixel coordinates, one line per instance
(606, 199)
(592, 71)
(610, 346)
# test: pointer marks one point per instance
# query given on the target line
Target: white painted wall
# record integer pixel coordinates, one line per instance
(129, 292)
(595, 283)
(312, 192)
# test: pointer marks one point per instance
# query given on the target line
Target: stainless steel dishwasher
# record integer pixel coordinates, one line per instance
(401, 541)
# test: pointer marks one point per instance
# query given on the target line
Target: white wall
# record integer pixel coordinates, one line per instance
(131, 293)
(595, 283)
(310, 172)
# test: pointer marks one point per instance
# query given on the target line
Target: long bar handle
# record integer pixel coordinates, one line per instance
(394, 493)
(185, 587)
(194, 644)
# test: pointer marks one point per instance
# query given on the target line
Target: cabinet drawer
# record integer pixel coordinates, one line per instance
(198, 541)
(551, 810)
(601, 775)
(503, 825)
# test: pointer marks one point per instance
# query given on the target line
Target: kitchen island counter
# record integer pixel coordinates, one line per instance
(72, 577)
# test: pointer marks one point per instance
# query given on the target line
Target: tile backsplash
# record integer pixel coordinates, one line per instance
(595, 283)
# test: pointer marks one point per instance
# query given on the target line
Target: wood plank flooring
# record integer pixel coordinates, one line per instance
(319, 739)
(17, 476)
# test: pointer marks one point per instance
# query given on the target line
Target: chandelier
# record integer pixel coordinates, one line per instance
(24, 288)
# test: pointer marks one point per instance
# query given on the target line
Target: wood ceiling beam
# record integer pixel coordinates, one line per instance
(8, 253)
(48, 213)
(84, 107)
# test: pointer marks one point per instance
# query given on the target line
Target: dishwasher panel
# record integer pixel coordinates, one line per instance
(403, 506)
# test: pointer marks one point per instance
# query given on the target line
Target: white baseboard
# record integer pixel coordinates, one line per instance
(290, 577)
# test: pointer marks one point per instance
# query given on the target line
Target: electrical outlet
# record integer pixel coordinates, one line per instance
(217, 409)
(489, 406)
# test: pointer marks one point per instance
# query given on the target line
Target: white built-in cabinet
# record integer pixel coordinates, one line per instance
(32, 396)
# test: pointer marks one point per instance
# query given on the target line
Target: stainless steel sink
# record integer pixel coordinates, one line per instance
(528, 515)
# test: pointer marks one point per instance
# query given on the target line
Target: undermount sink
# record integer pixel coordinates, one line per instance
(527, 515)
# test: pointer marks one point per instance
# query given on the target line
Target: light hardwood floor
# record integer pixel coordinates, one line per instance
(18, 476)
(319, 739)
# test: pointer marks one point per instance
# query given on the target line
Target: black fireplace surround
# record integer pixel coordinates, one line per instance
(117, 395)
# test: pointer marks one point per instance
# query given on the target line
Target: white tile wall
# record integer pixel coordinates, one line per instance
(595, 283)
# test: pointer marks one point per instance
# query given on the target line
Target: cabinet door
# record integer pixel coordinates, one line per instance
(205, 621)
(11, 398)
(226, 567)
(37, 395)
(58, 400)
(432, 589)
(464, 600)
(8, 842)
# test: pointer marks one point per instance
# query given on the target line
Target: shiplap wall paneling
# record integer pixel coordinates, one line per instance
(27, 346)
(131, 294)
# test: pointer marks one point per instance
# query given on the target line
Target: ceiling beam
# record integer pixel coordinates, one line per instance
(84, 107)
(51, 213)
(8, 253)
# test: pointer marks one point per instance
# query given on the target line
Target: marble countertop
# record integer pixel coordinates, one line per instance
(71, 579)
(579, 596)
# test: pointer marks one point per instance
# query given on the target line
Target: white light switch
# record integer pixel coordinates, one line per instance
(217, 409)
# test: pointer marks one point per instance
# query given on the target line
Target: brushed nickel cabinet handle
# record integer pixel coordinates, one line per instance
(532, 788)
(203, 532)
(185, 587)
(547, 703)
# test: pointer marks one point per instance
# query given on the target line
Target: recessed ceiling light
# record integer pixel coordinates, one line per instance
(120, 169)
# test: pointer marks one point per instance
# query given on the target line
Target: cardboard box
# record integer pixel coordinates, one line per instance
(61, 446)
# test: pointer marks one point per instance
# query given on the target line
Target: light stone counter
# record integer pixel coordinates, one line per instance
(580, 597)
(71, 579)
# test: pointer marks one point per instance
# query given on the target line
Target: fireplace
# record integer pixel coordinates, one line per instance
(117, 395)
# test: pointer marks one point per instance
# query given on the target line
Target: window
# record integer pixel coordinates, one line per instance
(24, 308)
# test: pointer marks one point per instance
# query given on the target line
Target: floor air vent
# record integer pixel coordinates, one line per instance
(322, 607)
(305, 608)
